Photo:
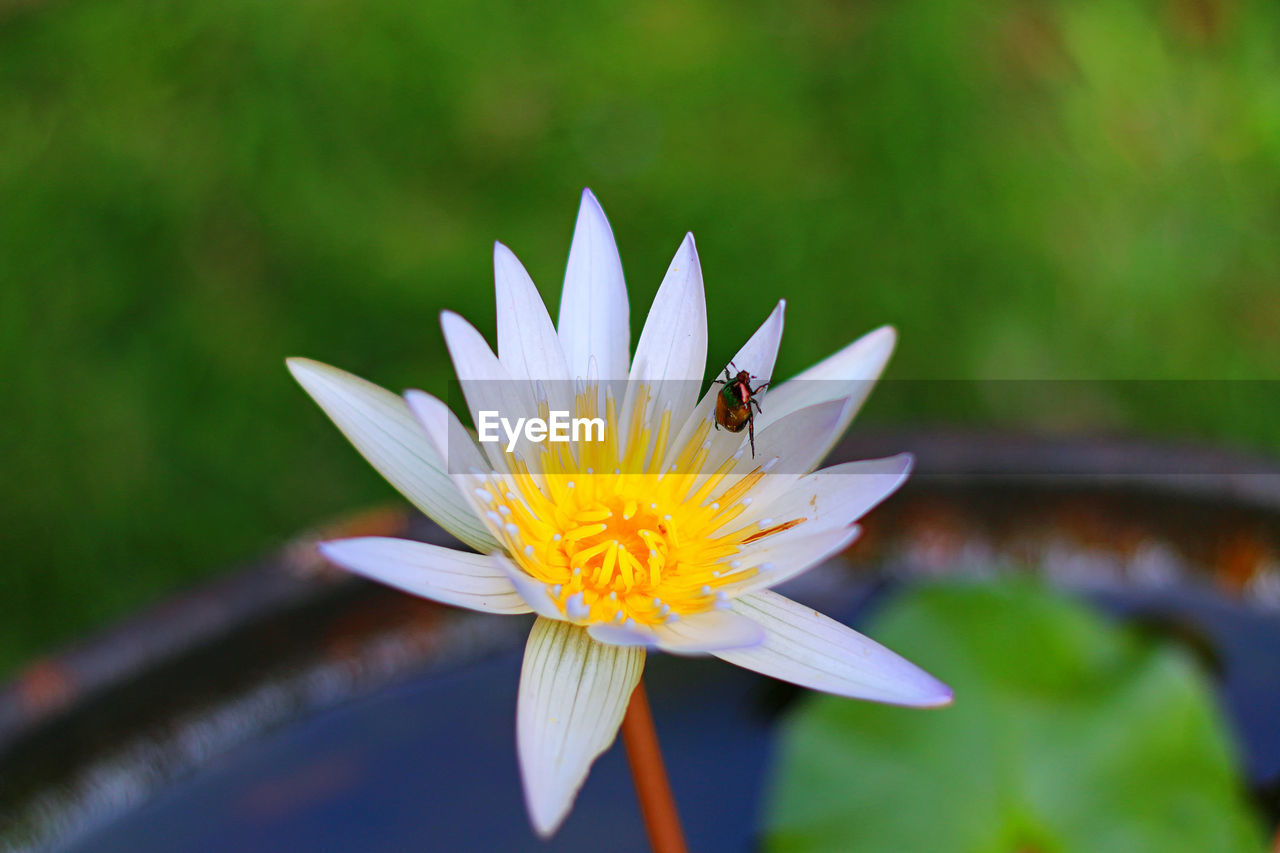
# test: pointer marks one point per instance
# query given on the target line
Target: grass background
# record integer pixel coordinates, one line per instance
(191, 192)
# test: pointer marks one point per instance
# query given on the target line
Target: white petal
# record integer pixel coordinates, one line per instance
(527, 343)
(848, 375)
(796, 441)
(487, 386)
(533, 591)
(573, 695)
(594, 314)
(448, 436)
(380, 426)
(671, 354)
(759, 354)
(623, 635)
(442, 574)
(780, 558)
(830, 497)
(757, 357)
(806, 648)
(712, 631)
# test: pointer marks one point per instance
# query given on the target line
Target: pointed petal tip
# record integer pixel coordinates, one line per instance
(340, 551)
(328, 547)
(502, 253)
(591, 212)
(422, 406)
(544, 827)
(922, 690)
(546, 814)
(885, 336)
(299, 365)
(933, 695)
(590, 202)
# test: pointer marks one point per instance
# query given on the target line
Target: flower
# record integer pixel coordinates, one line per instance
(666, 534)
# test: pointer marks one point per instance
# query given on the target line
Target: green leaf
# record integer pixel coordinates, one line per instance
(1068, 733)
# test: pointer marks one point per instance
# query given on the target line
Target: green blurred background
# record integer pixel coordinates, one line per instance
(191, 192)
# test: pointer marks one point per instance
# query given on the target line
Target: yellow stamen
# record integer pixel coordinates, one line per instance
(621, 536)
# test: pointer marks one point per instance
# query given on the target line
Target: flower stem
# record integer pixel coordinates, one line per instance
(652, 789)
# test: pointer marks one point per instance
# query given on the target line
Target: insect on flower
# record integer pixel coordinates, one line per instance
(734, 402)
(664, 536)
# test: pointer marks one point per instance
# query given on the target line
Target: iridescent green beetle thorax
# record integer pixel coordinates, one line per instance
(730, 394)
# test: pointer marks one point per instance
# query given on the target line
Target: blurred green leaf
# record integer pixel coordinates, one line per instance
(1068, 734)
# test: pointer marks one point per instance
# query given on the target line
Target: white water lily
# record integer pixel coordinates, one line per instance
(666, 535)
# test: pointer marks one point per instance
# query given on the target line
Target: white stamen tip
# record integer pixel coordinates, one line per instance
(570, 484)
(591, 470)
(653, 506)
(706, 590)
(746, 501)
(556, 538)
(484, 495)
(504, 509)
(577, 570)
(667, 517)
(657, 602)
(716, 573)
(512, 529)
(736, 564)
(769, 466)
(652, 553)
(766, 567)
(765, 522)
(528, 550)
(556, 589)
(617, 470)
(493, 516)
(715, 506)
(665, 609)
(613, 596)
(575, 607)
(672, 617)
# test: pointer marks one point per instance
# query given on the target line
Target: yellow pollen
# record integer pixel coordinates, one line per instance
(642, 526)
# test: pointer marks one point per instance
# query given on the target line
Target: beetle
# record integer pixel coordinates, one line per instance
(734, 402)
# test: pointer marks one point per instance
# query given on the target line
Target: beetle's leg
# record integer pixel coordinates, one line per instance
(751, 432)
(756, 403)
